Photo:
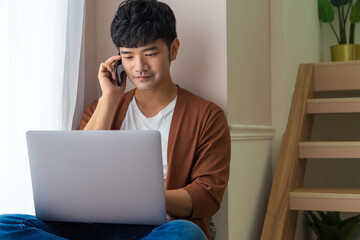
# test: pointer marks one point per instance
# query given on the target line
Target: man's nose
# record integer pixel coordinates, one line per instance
(140, 64)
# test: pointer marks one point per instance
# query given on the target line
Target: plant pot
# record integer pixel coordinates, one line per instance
(345, 52)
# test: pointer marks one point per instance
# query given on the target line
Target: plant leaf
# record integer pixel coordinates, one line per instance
(357, 217)
(321, 214)
(326, 12)
(330, 218)
(337, 3)
(327, 232)
(348, 228)
(355, 12)
(333, 219)
(310, 221)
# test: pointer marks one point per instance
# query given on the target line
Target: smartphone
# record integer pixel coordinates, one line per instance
(118, 70)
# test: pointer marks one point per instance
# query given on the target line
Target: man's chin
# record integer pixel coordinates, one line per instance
(145, 86)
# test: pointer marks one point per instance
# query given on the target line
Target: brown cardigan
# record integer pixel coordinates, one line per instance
(198, 151)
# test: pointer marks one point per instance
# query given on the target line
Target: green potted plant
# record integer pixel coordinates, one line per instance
(329, 226)
(348, 13)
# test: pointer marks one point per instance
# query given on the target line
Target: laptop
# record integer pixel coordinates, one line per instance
(97, 176)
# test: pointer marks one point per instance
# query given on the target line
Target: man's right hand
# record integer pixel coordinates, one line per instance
(109, 88)
(111, 95)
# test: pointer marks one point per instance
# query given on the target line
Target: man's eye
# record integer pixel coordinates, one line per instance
(151, 54)
(128, 57)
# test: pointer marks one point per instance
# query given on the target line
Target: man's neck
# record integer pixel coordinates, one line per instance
(151, 102)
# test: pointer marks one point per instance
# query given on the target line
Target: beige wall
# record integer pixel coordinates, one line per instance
(91, 67)
(250, 182)
(295, 39)
(219, 43)
(98, 43)
(201, 65)
(249, 94)
(249, 115)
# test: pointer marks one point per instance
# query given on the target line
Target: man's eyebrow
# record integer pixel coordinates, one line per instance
(125, 52)
(150, 48)
(145, 50)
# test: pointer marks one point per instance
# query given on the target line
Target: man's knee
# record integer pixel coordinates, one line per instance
(9, 221)
(177, 229)
(183, 225)
(13, 218)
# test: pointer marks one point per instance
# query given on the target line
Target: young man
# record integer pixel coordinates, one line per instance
(194, 132)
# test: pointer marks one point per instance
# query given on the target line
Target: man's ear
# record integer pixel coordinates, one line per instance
(174, 49)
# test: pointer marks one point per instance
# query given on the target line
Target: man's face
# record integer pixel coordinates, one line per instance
(148, 66)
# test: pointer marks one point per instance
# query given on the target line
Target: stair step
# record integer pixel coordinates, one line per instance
(329, 149)
(333, 105)
(325, 199)
(337, 76)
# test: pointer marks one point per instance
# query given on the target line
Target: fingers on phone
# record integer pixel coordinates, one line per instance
(109, 67)
(113, 74)
(113, 59)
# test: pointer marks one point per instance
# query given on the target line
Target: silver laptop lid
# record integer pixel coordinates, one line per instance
(97, 176)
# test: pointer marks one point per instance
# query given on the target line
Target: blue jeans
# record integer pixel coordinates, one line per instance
(26, 227)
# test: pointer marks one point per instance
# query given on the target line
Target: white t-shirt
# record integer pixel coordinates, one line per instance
(136, 120)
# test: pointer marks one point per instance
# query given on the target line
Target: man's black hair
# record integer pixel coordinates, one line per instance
(139, 22)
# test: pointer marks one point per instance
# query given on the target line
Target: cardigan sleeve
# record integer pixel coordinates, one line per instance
(89, 111)
(210, 173)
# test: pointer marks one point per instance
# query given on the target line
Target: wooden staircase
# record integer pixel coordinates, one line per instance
(287, 194)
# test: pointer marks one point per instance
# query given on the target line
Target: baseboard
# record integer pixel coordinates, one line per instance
(239, 132)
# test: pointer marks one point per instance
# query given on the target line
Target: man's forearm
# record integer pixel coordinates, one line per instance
(178, 203)
(103, 114)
